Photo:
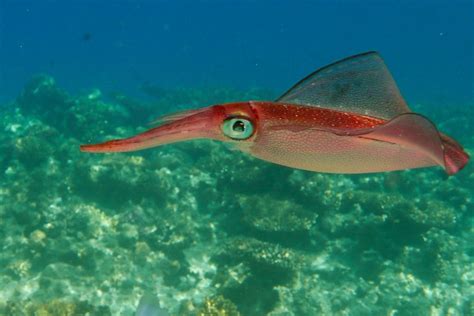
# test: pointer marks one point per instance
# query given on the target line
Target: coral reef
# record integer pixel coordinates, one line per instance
(213, 231)
(54, 308)
(268, 213)
(218, 306)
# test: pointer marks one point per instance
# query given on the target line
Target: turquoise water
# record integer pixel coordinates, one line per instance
(209, 230)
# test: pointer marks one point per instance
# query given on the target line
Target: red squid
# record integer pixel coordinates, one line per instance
(347, 117)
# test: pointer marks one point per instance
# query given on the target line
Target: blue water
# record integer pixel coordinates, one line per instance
(428, 44)
(196, 228)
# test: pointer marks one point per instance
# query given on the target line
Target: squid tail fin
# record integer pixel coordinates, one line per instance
(455, 158)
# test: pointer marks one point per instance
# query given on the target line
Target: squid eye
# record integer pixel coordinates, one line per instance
(237, 128)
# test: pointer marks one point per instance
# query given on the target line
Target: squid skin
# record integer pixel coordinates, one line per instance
(303, 137)
(327, 137)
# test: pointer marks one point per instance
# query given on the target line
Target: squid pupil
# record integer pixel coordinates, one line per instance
(238, 126)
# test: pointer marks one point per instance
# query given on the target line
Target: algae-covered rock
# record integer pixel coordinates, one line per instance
(322, 192)
(260, 252)
(42, 98)
(34, 147)
(115, 180)
(267, 213)
(444, 256)
(436, 213)
(249, 268)
(55, 307)
(396, 208)
(87, 116)
(218, 306)
(232, 276)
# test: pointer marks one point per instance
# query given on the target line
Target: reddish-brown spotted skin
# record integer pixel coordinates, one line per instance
(310, 116)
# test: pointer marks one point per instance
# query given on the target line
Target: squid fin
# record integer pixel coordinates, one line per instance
(418, 134)
(359, 84)
(455, 158)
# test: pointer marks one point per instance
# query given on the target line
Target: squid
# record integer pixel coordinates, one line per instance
(348, 117)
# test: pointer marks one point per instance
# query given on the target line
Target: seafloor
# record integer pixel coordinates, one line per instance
(212, 231)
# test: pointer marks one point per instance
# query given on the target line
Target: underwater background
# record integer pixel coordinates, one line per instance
(206, 229)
